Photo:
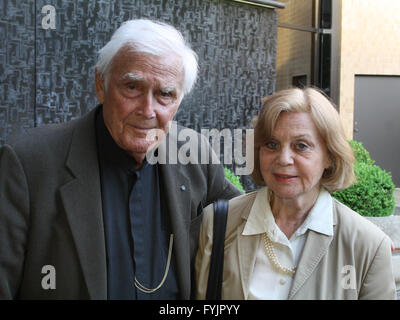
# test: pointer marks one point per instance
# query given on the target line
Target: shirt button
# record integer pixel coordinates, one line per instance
(183, 187)
(282, 281)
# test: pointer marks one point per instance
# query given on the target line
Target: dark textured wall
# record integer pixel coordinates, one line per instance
(47, 75)
(17, 67)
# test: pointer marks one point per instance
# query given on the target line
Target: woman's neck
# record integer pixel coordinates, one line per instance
(290, 214)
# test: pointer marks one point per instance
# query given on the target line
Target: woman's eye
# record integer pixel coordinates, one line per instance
(302, 146)
(271, 145)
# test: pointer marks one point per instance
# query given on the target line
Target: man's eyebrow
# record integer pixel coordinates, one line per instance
(168, 88)
(132, 76)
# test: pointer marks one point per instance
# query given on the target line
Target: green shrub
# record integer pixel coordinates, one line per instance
(360, 153)
(372, 194)
(234, 179)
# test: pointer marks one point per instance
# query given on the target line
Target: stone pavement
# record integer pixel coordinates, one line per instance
(397, 198)
(396, 257)
(396, 235)
(396, 271)
(391, 226)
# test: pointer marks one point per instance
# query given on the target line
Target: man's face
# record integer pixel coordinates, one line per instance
(143, 93)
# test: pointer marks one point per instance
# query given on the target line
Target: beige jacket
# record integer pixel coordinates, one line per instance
(357, 248)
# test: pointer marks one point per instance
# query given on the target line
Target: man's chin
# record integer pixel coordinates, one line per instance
(139, 147)
(135, 147)
(141, 150)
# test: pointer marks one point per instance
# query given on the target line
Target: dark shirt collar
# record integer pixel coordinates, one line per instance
(110, 151)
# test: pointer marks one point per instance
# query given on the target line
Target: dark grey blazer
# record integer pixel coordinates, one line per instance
(51, 213)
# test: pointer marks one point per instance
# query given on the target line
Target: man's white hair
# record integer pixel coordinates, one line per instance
(151, 37)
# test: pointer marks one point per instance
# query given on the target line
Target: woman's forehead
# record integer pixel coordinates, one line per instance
(296, 125)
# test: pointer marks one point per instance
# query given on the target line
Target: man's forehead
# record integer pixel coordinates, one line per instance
(127, 56)
(136, 65)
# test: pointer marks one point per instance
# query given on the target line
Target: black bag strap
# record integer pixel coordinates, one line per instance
(214, 284)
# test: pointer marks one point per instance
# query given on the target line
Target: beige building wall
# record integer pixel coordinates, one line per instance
(370, 45)
(294, 47)
(293, 58)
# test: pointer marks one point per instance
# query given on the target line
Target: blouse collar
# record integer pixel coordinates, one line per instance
(261, 219)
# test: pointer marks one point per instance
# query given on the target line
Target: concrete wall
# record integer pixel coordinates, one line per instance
(47, 74)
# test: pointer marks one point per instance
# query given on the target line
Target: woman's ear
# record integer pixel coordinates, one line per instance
(329, 161)
(329, 166)
(99, 86)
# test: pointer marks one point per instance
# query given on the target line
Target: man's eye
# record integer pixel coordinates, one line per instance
(166, 94)
(131, 87)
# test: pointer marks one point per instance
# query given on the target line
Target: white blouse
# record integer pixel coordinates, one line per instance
(268, 283)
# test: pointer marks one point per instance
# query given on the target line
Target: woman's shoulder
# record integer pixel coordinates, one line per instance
(236, 204)
(352, 224)
(241, 202)
(238, 209)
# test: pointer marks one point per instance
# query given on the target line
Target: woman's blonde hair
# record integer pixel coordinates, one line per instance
(340, 175)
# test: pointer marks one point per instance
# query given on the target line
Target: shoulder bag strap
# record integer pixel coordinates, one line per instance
(214, 285)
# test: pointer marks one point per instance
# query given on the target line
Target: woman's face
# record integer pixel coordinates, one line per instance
(293, 160)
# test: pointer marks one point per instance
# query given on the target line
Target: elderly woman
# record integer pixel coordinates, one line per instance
(291, 239)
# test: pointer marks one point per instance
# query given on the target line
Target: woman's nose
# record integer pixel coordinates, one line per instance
(285, 157)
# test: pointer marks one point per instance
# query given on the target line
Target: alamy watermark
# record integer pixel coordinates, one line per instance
(349, 277)
(195, 149)
(49, 280)
(49, 20)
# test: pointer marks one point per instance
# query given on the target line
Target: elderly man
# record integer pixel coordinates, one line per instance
(83, 215)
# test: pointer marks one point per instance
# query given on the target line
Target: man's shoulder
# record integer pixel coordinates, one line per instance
(42, 135)
(49, 133)
(50, 138)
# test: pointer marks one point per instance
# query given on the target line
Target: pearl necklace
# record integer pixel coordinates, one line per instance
(269, 248)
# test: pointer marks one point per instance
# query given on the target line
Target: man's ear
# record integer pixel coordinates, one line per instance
(99, 86)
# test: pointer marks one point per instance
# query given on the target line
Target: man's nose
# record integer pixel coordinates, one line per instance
(147, 106)
(285, 157)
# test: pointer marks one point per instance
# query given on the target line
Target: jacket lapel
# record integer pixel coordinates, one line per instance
(315, 248)
(247, 252)
(247, 249)
(81, 198)
(177, 191)
(176, 187)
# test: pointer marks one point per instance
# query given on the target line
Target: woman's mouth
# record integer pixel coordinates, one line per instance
(281, 177)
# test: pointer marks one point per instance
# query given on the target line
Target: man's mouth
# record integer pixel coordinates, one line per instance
(142, 129)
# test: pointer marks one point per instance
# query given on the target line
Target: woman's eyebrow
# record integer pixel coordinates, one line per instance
(307, 136)
(299, 136)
